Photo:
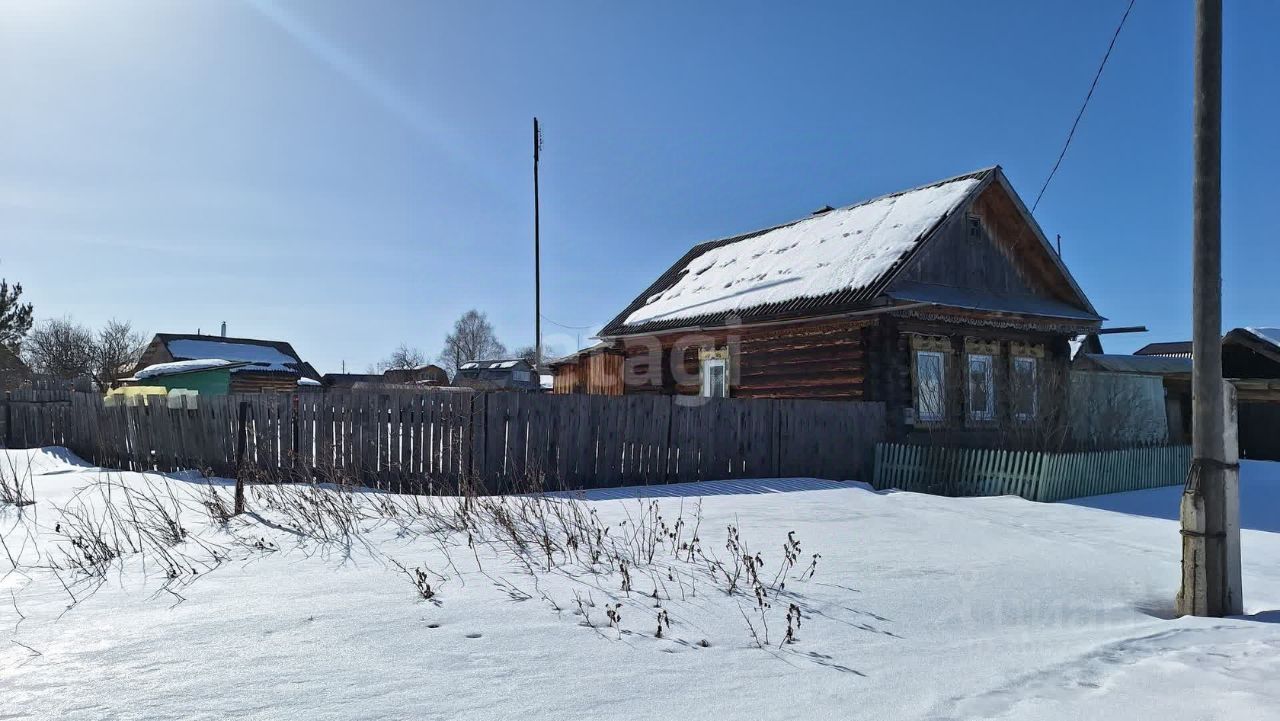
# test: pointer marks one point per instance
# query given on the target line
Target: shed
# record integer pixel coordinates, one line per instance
(262, 365)
(1250, 359)
(596, 370)
(206, 376)
(1174, 372)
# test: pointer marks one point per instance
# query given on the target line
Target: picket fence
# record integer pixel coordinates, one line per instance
(1032, 475)
(433, 440)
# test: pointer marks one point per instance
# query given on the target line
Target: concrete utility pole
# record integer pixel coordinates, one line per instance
(1210, 503)
(537, 258)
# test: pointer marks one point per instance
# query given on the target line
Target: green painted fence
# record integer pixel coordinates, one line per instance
(1034, 476)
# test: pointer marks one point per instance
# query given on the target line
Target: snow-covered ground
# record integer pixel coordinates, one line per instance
(920, 607)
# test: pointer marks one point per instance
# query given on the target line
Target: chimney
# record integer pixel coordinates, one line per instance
(224, 329)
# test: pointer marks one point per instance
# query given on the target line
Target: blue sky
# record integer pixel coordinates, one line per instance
(348, 176)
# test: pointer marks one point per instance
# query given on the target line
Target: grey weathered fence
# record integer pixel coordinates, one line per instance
(503, 440)
(1034, 476)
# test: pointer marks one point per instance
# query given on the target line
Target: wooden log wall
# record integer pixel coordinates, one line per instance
(812, 360)
(893, 384)
(826, 361)
(249, 382)
(431, 441)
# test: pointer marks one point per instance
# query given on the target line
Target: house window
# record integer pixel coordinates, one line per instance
(715, 378)
(930, 387)
(981, 385)
(1025, 398)
(975, 226)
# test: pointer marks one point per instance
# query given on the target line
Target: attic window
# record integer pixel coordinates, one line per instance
(975, 226)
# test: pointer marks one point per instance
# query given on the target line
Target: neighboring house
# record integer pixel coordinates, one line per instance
(1251, 353)
(1174, 349)
(1251, 356)
(428, 376)
(14, 373)
(506, 374)
(1250, 359)
(345, 381)
(261, 365)
(946, 302)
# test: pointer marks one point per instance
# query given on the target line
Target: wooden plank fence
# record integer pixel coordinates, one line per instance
(429, 440)
(1032, 475)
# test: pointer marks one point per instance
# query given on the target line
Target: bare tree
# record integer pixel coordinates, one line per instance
(473, 338)
(527, 353)
(403, 357)
(15, 317)
(61, 348)
(116, 351)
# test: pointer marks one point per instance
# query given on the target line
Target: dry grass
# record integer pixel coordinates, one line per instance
(640, 564)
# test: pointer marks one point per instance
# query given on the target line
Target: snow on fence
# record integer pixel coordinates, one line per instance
(1032, 475)
(404, 441)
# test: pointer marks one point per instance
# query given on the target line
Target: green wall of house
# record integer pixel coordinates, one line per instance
(211, 382)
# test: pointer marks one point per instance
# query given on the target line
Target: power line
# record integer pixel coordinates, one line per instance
(570, 327)
(1084, 105)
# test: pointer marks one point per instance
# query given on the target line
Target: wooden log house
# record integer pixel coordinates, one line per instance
(261, 365)
(946, 302)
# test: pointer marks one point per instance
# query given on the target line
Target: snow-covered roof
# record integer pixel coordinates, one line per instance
(1263, 341)
(184, 366)
(499, 363)
(264, 357)
(251, 354)
(835, 253)
(593, 348)
(308, 382)
(1269, 335)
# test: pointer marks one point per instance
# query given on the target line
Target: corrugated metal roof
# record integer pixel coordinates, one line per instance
(1169, 348)
(1146, 364)
(265, 356)
(975, 299)
(603, 345)
(800, 305)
